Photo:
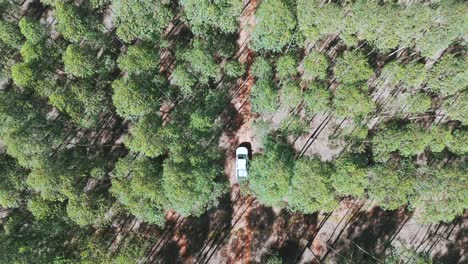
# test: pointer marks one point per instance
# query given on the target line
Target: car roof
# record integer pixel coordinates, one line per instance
(242, 150)
(241, 164)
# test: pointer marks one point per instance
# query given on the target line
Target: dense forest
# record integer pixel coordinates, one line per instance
(114, 108)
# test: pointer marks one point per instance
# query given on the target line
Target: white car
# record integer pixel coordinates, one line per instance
(241, 163)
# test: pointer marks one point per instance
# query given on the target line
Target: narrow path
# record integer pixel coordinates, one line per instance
(239, 237)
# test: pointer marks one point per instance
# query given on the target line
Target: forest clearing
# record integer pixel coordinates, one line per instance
(120, 121)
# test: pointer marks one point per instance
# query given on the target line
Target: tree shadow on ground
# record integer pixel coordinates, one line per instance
(196, 232)
(219, 219)
(200, 231)
(371, 231)
(260, 221)
(455, 244)
(169, 254)
(234, 120)
(290, 228)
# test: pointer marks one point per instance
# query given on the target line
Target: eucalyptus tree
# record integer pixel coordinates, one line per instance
(449, 75)
(352, 67)
(271, 33)
(409, 140)
(315, 65)
(392, 185)
(13, 185)
(10, 34)
(80, 61)
(456, 108)
(205, 15)
(317, 98)
(75, 24)
(136, 183)
(311, 173)
(271, 173)
(191, 190)
(262, 68)
(145, 20)
(441, 194)
(351, 101)
(264, 97)
(136, 96)
(286, 66)
(85, 101)
(139, 58)
(351, 175)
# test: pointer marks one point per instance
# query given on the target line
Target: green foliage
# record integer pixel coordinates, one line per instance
(445, 25)
(28, 135)
(12, 177)
(132, 250)
(350, 176)
(459, 143)
(411, 75)
(32, 52)
(270, 174)
(234, 69)
(24, 240)
(99, 3)
(136, 96)
(391, 185)
(137, 185)
(200, 62)
(262, 129)
(386, 26)
(144, 20)
(456, 107)
(264, 97)
(83, 101)
(147, 137)
(449, 75)
(274, 25)
(274, 259)
(311, 174)
(317, 98)
(286, 66)
(291, 94)
(315, 65)
(43, 209)
(204, 15)
(349, 101)
(441, 194)
(314, 20)
(138, 59)
(56, 177)
(22, 74)
(184, 79)
(262, 68)
(85, 209)
(191, 190)
(393, 72)
(417, 103)
(352, 67)
(80, 61)
(75, 24)
(409, 140)
(10, 34)
(32, 30)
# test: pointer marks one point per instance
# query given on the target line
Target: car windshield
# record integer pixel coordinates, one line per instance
(242, 156)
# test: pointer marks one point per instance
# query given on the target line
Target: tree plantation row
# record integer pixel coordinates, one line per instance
(81, 77)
